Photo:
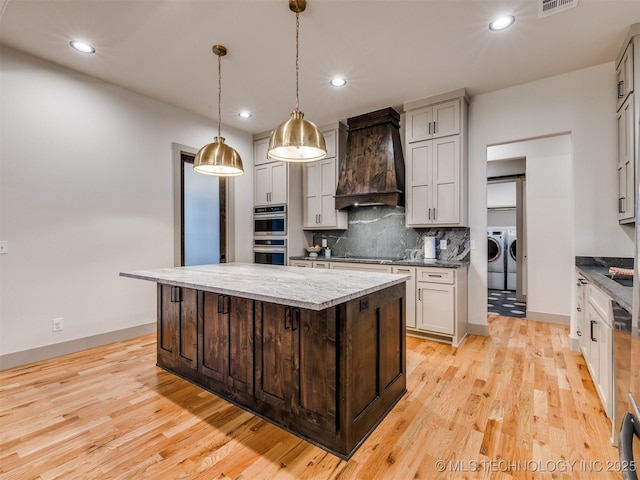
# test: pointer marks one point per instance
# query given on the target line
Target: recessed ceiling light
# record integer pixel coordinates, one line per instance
(501, 23)
(245, 114)
(338, 82)
(83, 47)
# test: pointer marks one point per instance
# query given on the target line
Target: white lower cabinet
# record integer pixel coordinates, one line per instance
(441, 306)
(598, 351)
(436, 297)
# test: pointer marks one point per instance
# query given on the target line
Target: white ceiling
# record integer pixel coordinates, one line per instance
(391, 52)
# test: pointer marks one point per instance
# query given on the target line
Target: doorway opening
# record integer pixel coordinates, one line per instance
(203, 215)
(505, 238)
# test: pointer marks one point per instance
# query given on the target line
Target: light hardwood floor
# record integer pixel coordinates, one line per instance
(518, 403)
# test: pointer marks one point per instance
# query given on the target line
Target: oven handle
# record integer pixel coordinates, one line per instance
(275, 216)
(269, 250)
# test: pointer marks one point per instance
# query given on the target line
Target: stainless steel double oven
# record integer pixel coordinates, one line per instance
(269, 235)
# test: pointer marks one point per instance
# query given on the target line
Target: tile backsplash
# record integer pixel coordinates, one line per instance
(380, 232)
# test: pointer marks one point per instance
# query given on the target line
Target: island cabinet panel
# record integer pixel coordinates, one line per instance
(226, 339)
(178, 324)
(296, 362)
(375, 361)
(329, 376)
(274, 352)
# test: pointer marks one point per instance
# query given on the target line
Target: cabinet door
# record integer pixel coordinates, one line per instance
(410, 295)
(177, 325)
(330, 140)
(261, 184)
(278, 182)
(446, 119)
(328, 181)
(226, 336)
(419, 124)
(605, 367)
(419, 183)
(626, 168)
(624, 75)
(311, 191)
(274, 355)
(436, 308)
(446, 180)
(260, 152)
(315, 368)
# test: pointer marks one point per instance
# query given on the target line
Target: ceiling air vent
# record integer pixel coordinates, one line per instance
(551, 7)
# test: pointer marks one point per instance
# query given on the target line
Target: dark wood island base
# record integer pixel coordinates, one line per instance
(328, 376)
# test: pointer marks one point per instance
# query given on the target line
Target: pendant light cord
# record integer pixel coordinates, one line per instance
(297, 61)
(219, 92)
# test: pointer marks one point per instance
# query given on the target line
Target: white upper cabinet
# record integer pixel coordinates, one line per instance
(319, 181)
(434, 121)
(624, 75)
(627, 125)
(260, 148)
(436, 164)
(270, 184)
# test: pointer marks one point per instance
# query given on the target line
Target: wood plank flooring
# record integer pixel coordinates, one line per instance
(515, 405)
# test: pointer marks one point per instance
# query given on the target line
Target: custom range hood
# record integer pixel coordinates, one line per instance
(372, 172)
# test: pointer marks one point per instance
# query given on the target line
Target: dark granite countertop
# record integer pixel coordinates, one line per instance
(390, 261)
(595, 268)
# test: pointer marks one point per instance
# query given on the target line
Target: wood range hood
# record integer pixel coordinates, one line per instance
(372, 172)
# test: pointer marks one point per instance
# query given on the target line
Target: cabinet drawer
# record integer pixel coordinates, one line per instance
(436, 275)
(361, 267)
(601, 303)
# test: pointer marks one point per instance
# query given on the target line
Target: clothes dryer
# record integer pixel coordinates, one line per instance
(496, 277)
(511, 245)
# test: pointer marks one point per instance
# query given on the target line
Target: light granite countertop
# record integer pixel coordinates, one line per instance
(314, 289)
(390, 261)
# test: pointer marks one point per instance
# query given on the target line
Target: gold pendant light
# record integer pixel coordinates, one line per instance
(296, 139)
(218, 158)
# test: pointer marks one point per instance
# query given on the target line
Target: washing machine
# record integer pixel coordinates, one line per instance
(496, 278)
(511, 238)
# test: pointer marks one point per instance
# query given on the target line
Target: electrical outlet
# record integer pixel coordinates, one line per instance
(4, 247)
(472, 245)
(443, 244)
(324, 243)
(58, 324)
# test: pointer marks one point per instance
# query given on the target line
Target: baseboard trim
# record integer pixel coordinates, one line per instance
(477, 329)
(25, 357)
(548, 318)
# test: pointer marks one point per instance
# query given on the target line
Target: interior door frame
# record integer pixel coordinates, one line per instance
(184, 154)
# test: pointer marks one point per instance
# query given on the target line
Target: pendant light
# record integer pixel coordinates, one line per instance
(218, 158)
(296, 139)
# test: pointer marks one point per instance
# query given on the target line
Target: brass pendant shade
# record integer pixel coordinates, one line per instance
(296, 139)
(218, 158)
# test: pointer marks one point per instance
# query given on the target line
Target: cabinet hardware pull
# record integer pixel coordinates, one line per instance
(579, 309)
(434, 128)
(434, 213)
(591, 333)
(435, 275)
(419, 294)
(175, 294)
(223, 304)
(429, 128)
(287, 318)
(295, 319)
(620, 89)
(429, 214)
(579, 333)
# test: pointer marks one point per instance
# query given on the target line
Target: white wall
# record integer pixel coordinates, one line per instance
(86, 192)
(581, 103)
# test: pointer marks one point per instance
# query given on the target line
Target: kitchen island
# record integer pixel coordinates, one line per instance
(318, 352)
